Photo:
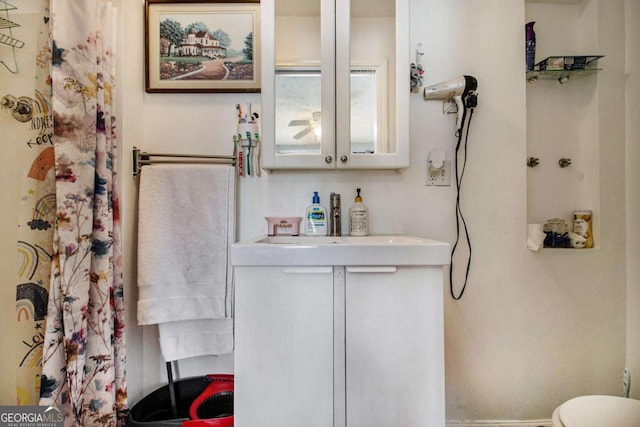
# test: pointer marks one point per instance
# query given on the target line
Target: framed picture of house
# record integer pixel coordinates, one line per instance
(202, 46)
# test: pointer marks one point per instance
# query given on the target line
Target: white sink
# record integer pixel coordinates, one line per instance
(381, 249)
(350, 240)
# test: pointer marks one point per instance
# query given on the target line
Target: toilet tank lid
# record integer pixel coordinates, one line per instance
(599, 411)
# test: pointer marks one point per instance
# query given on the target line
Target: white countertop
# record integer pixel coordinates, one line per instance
(345, 250)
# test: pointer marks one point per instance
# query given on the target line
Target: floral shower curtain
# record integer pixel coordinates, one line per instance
(84, 348)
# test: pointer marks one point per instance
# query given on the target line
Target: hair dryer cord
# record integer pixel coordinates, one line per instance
(459, 216)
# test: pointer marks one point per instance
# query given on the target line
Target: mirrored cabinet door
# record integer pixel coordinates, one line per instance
(330, 96)
(372, 51)
(298, 103)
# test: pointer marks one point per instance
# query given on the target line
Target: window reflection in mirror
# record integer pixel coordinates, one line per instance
(373, 42)
(299, 117)
(368, 110)
(298, 111)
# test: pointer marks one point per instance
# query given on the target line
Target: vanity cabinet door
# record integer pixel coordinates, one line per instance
(284, 347)
(394, 346)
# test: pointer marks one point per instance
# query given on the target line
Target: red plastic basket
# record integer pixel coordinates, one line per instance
(214, 406)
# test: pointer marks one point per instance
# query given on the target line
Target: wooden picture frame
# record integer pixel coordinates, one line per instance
(202, 46)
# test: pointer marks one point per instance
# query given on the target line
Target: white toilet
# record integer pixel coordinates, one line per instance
(598, 411)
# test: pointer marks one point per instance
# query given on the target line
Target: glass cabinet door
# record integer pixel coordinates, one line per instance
(331, 95)
(366, 80)
(300, 115)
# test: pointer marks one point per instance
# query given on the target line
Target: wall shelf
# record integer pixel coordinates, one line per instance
(564, 68)
(561, 75)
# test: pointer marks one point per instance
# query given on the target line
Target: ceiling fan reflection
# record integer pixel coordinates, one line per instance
(313, 125)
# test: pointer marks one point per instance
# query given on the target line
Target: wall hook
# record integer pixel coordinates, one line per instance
(533, 162)
(564, 162)
(416, 70)
(21, 108)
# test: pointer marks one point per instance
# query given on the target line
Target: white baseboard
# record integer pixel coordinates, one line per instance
(500, 423)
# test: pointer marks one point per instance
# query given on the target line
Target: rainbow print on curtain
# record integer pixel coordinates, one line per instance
(84, 348)
(35, 228)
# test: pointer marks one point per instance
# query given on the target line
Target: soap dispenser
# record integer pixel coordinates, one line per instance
(316, 218)
(358, 217)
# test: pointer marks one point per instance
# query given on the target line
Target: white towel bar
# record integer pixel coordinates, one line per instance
(142, 158)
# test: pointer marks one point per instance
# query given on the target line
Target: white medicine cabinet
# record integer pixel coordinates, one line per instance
(335, 84)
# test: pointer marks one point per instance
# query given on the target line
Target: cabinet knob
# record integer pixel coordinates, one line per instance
(328, 159)
(344, 159)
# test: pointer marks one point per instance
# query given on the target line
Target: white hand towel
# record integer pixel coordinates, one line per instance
(185, 228)
(190, 338)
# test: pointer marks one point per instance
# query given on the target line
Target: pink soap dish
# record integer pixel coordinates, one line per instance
(283, 226)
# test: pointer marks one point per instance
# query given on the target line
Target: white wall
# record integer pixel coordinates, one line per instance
(533, 329)
(632, 16)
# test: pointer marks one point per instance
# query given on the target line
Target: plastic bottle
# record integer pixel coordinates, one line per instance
(358, 217)
(530, 45)
(316, 218)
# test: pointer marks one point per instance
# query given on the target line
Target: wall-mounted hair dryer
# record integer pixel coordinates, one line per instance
(461, 89)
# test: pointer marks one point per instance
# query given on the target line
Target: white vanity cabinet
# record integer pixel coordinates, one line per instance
(335, 84)
(339, 346)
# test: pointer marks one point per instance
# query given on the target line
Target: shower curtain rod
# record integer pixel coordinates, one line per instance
(142, 158)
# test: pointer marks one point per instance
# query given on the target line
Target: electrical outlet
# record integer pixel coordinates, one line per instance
(626, 381)
(439, 176)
